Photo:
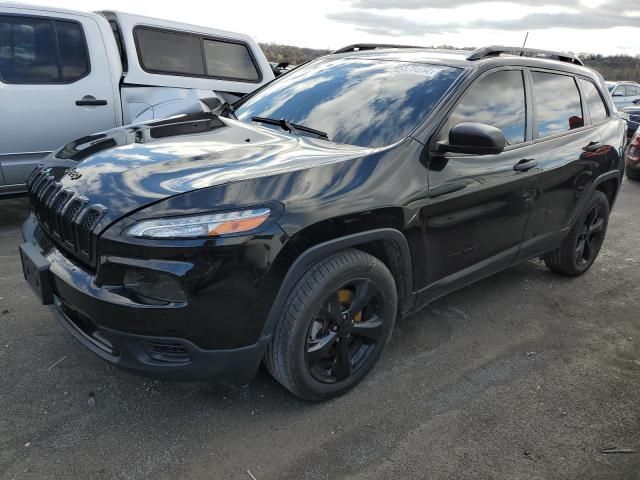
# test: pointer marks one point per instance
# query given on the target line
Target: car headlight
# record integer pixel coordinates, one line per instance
(198, 226)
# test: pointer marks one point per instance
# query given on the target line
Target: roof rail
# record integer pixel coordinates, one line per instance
(358, 47)
(495, 51)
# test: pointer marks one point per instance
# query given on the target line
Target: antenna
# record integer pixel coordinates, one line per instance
(524, 44)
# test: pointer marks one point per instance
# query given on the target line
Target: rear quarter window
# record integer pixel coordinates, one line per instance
(595, 104)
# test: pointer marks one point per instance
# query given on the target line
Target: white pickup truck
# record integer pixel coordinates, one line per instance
(66, 74)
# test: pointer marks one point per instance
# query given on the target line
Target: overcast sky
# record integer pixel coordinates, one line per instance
(597, 26)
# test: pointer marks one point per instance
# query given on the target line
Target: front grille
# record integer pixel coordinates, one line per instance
(65, 216)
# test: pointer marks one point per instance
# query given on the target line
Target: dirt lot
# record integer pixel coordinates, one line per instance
(524, 375)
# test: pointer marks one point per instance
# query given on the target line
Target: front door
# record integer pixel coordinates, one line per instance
(55, 86)
(480, 204)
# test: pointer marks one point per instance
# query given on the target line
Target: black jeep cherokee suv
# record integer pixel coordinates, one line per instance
(296, 225)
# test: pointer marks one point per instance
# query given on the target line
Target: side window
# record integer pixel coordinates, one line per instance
(593, 99)
(498, 100)
(73, 50)
(229, 60)
(168, 52)
(557, 102)
(28, 52)
(163, 51)
(633, 90)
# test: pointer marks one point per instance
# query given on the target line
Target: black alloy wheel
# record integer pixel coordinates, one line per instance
(581, 246)
(344, 331)
(334, 325)
(591, 237)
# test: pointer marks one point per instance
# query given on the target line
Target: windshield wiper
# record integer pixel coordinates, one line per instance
(290, 127)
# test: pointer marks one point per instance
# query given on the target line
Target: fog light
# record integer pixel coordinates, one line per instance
(152, 285)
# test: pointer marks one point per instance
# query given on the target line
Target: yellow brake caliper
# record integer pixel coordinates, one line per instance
(346, 297)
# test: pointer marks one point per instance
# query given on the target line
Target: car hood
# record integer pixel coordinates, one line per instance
(131, 167)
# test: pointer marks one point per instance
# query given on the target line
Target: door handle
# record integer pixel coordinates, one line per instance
(593, 147)
(90, 101)
(525, 164)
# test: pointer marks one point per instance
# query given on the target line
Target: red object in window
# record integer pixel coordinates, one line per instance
(575, 122)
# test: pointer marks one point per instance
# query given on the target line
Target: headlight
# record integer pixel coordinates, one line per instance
(197, 226)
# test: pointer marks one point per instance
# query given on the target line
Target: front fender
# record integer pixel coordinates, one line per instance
(315, 253)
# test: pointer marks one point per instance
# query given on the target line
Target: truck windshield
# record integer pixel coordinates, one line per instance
(362, 102)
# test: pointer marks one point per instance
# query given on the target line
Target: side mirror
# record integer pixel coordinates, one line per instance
(475, 139)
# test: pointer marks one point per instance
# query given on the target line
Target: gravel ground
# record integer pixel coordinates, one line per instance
(523, 375)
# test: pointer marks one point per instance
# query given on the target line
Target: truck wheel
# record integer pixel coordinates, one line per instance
(580, 249)
(334, 325)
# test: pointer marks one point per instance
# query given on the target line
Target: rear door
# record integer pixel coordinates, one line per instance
(480, 204)
(572, 155)
(55, 86)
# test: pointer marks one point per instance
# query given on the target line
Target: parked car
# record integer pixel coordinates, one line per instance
(624, 94)
(632, 116)
(295, 226)
(66, 74)
(632, 159)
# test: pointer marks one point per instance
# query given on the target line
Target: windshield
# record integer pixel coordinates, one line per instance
(355, 101)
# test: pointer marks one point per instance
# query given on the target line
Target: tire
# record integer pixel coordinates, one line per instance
(632, 176)
(323, 345)
(580, 248)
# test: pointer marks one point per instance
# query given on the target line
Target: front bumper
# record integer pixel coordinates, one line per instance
(161, 357)
(93, 314)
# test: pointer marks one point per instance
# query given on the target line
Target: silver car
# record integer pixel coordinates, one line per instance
(624, 94)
